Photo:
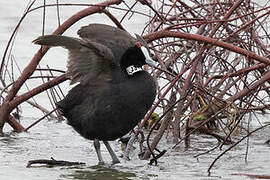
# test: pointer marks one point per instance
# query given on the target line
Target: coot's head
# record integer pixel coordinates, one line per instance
(134, 58)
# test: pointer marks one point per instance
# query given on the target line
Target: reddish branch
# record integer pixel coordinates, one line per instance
(14, 103)
(8, 104)
(220, 84)
(211, 41)
(252, 176)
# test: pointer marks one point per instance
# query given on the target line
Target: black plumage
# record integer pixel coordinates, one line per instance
(113, 93)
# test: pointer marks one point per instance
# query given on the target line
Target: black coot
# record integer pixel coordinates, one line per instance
(114, 92)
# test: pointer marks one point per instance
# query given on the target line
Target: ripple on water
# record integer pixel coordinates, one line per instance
(58, 140)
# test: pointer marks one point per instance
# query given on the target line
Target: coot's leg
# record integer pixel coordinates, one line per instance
(115, 160)
(97, 147)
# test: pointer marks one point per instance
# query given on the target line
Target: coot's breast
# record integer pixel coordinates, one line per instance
(120, 108)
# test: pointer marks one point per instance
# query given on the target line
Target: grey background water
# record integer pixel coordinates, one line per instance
(58, 140)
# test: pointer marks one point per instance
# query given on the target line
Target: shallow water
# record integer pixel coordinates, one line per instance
(58, 140)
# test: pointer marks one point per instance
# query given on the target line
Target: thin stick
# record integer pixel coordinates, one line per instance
(53, 162)
(33, 124)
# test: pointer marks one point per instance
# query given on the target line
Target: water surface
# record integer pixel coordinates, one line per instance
(58, 140)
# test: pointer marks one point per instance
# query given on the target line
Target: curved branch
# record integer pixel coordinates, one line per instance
(28, 71)
(208, 40)
(14, 103)
(8, 105)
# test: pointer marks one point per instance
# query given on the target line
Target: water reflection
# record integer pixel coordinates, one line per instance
(98, 172)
